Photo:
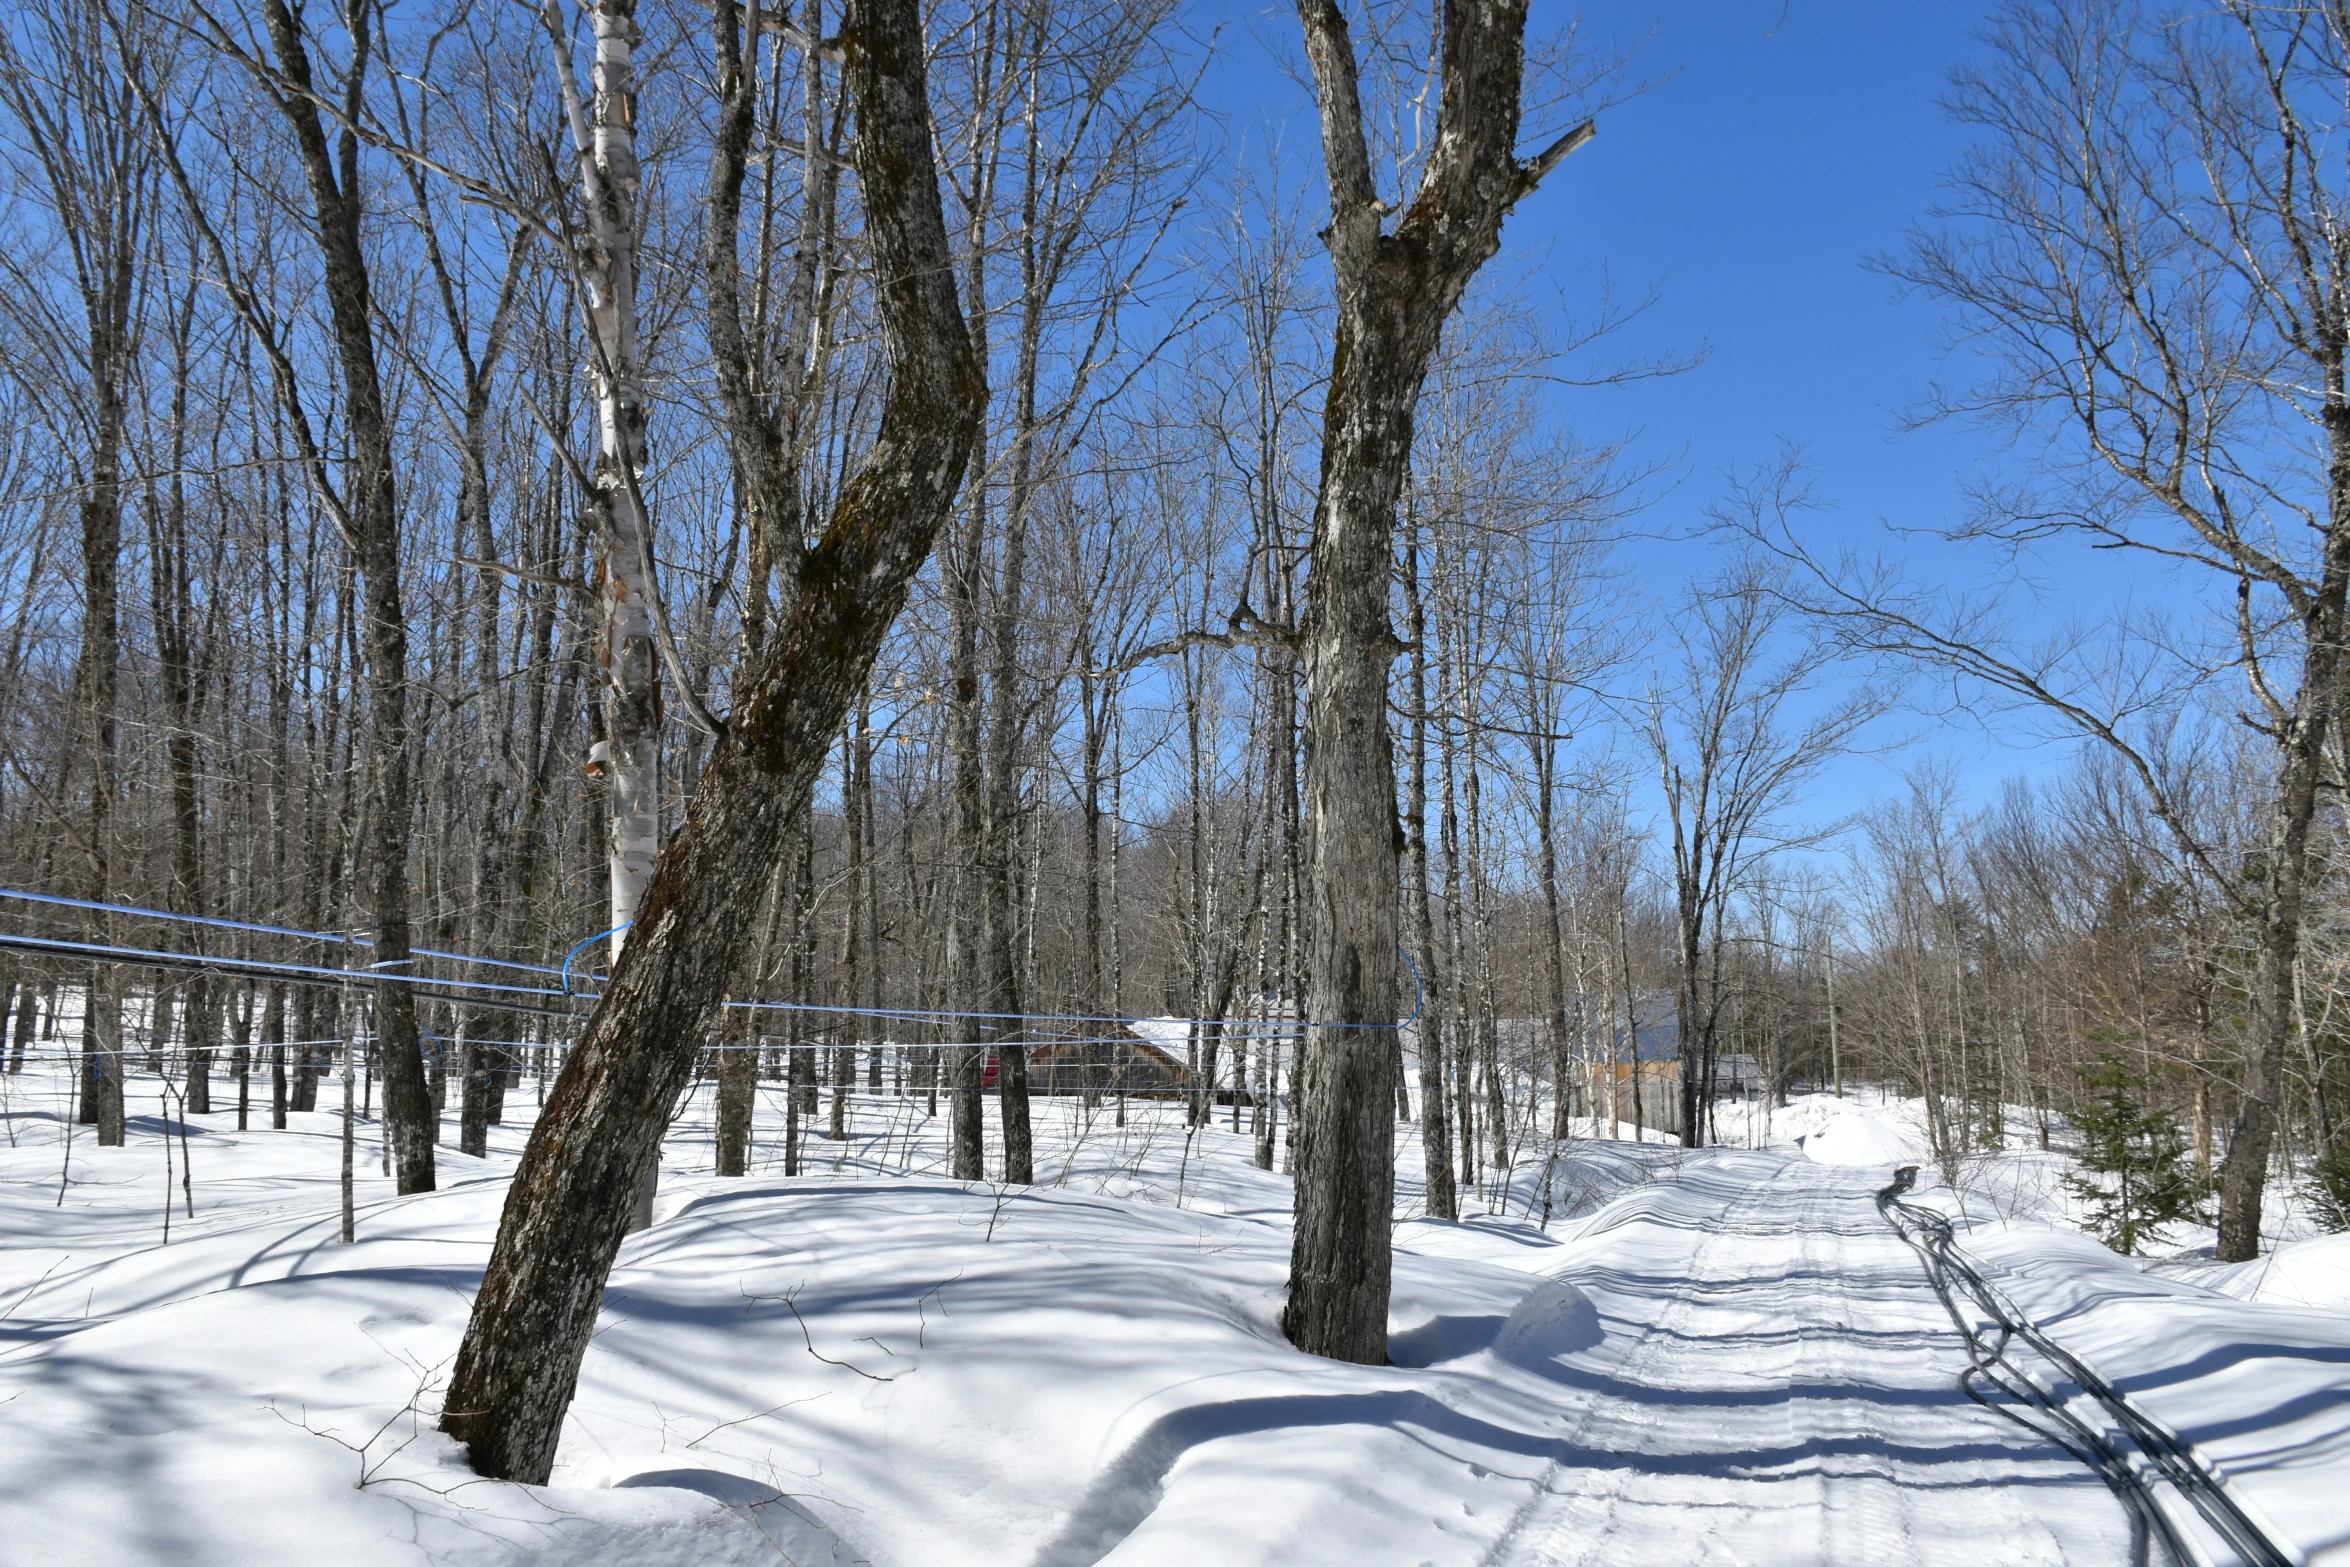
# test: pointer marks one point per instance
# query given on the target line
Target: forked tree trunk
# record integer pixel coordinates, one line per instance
(1395, 292)
(601, 1129)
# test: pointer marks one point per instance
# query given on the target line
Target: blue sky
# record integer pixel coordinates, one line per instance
(1775, 149)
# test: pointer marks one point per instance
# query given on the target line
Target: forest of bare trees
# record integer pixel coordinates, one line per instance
(460, 470)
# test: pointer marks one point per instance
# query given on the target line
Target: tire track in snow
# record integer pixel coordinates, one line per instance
(1791, 1398)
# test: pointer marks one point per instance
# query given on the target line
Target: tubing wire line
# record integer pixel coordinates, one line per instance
(284, 973)
(1229, 1027)
(2138, 1459)
(329, 937)
(1236, 1029)
(334, 979)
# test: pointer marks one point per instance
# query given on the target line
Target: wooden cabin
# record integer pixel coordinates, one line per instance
(1658, 1084)
(1109, 1058)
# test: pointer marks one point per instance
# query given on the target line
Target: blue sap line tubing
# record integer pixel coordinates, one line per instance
(254, 965)
(62, 947)
(140, 912)
(1233, 1027)
(568, 957)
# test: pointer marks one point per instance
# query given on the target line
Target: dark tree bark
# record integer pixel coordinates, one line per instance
(95, 167)
(971, 975)
(183, 659)
(737, 1070)
(1545, 752)
(1395, 292)
(1442, 1199)
(600, 1132)
(27, 1019)
(857, 806)
(370, 513)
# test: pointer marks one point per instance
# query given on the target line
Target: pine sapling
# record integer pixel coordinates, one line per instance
(2329, 1186)
(2136, 1173)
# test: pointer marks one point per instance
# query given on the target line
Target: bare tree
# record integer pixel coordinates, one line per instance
(1396, 289)
(2146, 241)
(92, 162)
(1733, 746)
(328, 141)
(600, 1132)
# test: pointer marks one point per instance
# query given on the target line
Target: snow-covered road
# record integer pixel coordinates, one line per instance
(1780, 1384)
(1720, 1356)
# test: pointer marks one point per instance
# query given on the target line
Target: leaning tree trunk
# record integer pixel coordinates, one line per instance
(600, 1132)
(1395, 292)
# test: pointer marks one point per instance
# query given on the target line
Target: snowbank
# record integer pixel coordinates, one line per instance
(1860, 1141)
(2314, 1272)
(870, 1363)
(2260, 1390)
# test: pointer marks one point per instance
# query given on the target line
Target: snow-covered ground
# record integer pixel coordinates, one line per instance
(2015, 1181)
(1633, 1354)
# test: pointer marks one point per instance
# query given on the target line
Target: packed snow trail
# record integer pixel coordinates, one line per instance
(1780, 1385)
(1709, 1356)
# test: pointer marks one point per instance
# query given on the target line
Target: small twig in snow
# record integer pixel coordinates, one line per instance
(791, 1304)
(36, 1284)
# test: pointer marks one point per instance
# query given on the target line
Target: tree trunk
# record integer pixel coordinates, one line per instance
(172, 602)
(1443, 1201)
(371, 510)
(1553, 936)
(101, 516)
(27, 1019)
(971, 975)
(2244, 1174)
(600, 1131)
(1395, 292)
(738, 1059)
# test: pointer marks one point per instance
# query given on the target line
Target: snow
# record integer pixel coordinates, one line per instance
(2313, 1272)
(1859, 1141)
(1631, 1353)
(2262, 1391)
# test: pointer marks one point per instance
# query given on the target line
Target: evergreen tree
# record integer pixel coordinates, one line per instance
(2135, 1173)
(2329, 1179)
